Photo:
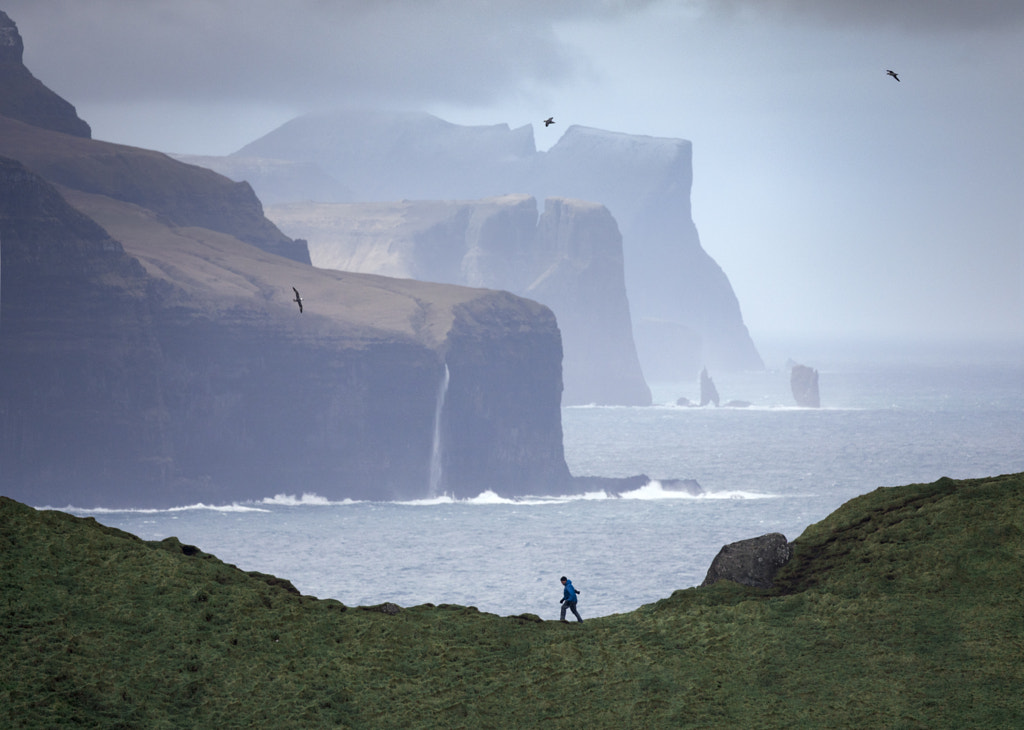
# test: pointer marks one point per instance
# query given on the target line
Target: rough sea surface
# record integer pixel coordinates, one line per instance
(769, 467)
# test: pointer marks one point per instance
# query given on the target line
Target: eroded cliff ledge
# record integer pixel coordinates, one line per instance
(569, 257)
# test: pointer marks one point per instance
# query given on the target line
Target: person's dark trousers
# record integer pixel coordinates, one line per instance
(571, 605)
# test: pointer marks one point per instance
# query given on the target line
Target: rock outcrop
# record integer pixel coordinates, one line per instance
(25, 97)
(684, 311)
(708, 391)
(752, 562)
(569, 258)
(803, 381)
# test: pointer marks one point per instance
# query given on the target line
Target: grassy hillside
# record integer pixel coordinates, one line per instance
(903, 609)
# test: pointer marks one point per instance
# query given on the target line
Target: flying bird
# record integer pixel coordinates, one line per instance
(297, 299)
(549, 121)
(893, 74)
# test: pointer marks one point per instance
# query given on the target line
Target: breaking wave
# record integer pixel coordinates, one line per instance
(652, 491)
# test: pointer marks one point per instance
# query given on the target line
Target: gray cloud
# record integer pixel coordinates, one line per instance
(303, 52)
(911, 16)
(324, 53)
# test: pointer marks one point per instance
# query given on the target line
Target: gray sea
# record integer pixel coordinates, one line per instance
(768, 467)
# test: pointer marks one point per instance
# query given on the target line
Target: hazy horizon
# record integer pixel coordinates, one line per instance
(842, 204)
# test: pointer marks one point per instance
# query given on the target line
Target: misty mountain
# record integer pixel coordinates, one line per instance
(568, 258)
(684, 312)
(277, 180)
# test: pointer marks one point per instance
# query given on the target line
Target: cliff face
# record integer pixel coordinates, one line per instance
(151, 353)
(569, 258)
(583, 283)
(183, 195)
(174, 368)
(24, 96)
(502, 400)
(79, 391)
(684, 312)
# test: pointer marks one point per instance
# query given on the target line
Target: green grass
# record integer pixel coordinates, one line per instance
(903, 609)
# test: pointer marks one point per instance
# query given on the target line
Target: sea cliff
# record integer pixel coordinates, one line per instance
(568, 257)
(152, 353)
(685, 314)
(174, 367)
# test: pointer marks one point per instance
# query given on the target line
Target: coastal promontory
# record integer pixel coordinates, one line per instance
(152, 352)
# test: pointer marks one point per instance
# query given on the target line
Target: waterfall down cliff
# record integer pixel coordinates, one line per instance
(436, 465)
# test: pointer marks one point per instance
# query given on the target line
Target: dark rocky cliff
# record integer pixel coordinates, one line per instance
(502, 400)
(569, 258)
(174, 368)
(80, 396)
(151, 354)
(24, 96)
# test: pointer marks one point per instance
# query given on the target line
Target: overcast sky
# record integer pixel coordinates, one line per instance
(838, 201)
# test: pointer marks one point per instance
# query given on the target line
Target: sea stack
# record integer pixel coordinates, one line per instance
(708, 391)
(804, 383)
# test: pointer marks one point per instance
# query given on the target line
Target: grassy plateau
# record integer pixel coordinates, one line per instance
(902, 609)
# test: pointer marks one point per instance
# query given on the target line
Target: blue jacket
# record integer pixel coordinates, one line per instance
(569, 593)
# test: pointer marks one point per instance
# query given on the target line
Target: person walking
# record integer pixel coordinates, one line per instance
(569, 598)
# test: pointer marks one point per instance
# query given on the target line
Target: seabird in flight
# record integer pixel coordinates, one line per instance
(549, 121)
(297, 299)
(893, 74)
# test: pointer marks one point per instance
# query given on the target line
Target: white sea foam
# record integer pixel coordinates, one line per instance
(307, 499)
(654, 490)
(234, 507)
(429, 501)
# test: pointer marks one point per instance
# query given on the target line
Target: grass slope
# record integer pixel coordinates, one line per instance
(903, 609)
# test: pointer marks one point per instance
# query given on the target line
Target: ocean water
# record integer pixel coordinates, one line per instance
(769, 467)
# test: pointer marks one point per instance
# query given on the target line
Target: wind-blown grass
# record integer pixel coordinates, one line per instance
(903, 609)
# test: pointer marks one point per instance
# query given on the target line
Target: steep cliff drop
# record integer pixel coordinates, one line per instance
(684, 311)
(25, 97)
(569, 257)
(169, 366)
(151, 353)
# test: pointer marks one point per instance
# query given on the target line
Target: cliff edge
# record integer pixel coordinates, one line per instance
(147, 364)
(684, 311)
(569, 258)
(25, 97)
(151, 353)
